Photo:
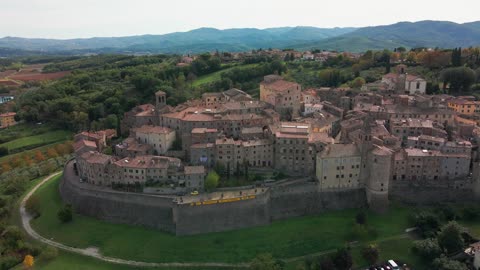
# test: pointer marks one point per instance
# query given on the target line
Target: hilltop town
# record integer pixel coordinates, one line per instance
(341, 139)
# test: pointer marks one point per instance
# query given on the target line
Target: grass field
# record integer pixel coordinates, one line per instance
(70, 261)
(38, 140)
(284, 239)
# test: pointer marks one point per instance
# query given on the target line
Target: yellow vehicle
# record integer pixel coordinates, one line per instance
(194, 193)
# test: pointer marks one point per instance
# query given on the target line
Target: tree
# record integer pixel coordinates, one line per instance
(6, 167)
(457, 57)
(39, 157)
(51, 153)
(450, 237)
(343, 259)
(264, 262)
(361, 218)
(32, 205)
(27, 159)
(428, 249)
(357, 82)
(371, 253)
(427, 223)
(65, 214)
(211, 182)
(459, 78)
(28, 261)
(444, 263)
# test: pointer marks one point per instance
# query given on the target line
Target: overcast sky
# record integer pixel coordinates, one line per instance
(88, 18)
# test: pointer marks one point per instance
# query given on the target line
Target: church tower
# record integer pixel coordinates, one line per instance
(160, 100)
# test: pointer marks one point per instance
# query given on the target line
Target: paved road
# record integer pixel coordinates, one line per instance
(93, 252)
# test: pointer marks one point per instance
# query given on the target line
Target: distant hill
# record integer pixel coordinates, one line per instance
(407, 34)
(419, 34)
(198, 40)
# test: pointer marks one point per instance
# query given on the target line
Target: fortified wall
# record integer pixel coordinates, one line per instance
(284, 201)
(428, 193)
(167, 214)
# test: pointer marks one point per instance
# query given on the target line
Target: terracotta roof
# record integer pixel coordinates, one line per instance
(153, 129)
(144, 162)
(96, 157)
(281, 85)
(84, 143)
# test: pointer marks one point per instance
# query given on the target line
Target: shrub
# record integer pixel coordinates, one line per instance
(211, 182)
(50, 253)
(32, 205)
(428, 249)
(343, 259)
(444, 263)
(361, 218)
(65, 214)
(427, 223)
(371, 253)
(450, 237)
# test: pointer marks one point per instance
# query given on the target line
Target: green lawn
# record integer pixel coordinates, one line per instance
(284, 239)
(38, 140)
(71, 261)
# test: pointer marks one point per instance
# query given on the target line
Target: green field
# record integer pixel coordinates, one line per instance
(70, 261)
(22, 130)
(284, 239)
(38, 140)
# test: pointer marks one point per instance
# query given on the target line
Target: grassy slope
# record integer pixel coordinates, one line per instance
(294, 237)
(41, 139)
(71, 261)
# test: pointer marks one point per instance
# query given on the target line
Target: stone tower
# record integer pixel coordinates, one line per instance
(401, 80)
(375, 169)
(476, 176)
(160, 100)
(380, 163)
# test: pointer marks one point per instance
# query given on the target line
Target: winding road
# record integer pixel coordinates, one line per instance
(93, 252)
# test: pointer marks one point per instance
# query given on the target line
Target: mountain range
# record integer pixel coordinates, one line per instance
(408, 34)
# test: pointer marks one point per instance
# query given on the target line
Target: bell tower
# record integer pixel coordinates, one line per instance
(160, 100)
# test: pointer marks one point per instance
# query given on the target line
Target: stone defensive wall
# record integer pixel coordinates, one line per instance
(220, 211)
(429, 193)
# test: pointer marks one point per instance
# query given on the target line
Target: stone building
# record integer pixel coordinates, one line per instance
(402, 83)
(295, 148)
(7, 119)
(160, 138)
(93, 168)
(131, 147)
(338, 166)
(139, 116)
(283, 95)
(421, 164)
